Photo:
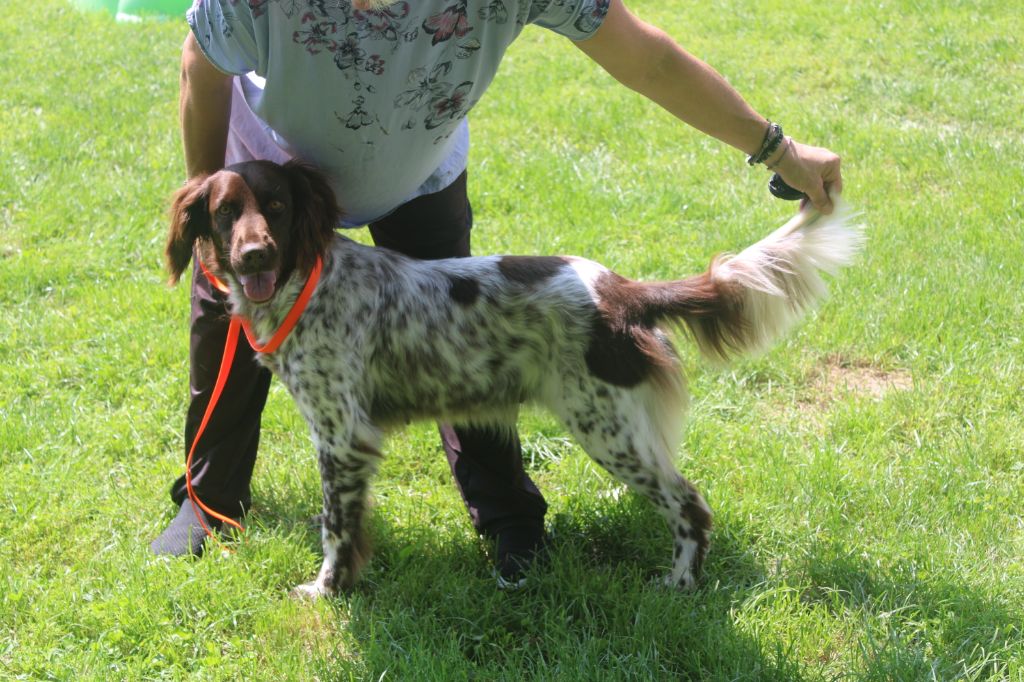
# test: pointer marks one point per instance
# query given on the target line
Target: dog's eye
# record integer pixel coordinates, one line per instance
(275, 206)
(224, 210)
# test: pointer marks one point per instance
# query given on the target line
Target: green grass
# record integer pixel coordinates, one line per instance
(867, 475)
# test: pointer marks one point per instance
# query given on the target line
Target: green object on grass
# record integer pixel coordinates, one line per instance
(137, 8)
(109, 5)
(166, 7)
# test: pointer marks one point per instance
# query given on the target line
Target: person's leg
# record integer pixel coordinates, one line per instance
(224, 458)
(504, 504)
(487, 464)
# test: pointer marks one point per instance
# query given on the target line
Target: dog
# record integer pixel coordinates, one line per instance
(386, 339)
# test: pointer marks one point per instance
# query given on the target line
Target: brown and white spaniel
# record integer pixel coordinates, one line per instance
(386, 339)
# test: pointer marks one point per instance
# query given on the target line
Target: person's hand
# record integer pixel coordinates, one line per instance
(812, 170)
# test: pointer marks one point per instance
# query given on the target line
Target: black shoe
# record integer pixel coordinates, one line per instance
(184, 536)
(518, 548)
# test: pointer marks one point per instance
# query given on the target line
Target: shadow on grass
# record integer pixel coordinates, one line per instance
(917, 624)
(428, 608)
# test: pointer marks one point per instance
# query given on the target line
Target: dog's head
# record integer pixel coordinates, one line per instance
(254, 222)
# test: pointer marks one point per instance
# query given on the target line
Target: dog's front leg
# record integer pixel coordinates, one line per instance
(346, 466)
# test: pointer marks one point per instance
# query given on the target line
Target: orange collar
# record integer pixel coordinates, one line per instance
(290, 320)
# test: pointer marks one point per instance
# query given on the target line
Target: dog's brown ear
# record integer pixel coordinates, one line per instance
(190, 220)
(316, 213)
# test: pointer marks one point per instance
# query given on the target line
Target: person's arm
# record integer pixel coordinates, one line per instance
(205, 107)
(648, 61)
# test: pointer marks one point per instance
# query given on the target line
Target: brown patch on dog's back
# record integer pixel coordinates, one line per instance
(463, 290)
(615, 357)
(624, 348)
(530, 269)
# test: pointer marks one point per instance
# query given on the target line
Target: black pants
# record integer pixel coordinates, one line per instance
(487, 466)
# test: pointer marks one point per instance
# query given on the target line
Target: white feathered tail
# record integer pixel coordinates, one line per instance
(746, 302)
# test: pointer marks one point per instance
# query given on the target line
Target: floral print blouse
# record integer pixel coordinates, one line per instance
(376, 98)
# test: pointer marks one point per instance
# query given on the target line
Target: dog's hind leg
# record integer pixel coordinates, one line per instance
(620, 429)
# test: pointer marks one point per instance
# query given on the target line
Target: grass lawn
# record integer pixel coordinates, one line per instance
(867, 475)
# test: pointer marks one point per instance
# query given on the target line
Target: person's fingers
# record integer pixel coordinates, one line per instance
(816, 173)
(835, 188)
(833, 177)
(819, 197)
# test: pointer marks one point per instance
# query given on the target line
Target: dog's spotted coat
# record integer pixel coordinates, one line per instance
(387, 339)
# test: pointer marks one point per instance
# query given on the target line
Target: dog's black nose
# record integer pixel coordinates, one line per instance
(255, 257)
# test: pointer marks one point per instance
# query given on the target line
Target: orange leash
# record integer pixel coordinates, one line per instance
(230, 346)
(222, 377)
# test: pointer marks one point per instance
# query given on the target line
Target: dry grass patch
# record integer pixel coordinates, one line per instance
(838, 378)
(843, 377)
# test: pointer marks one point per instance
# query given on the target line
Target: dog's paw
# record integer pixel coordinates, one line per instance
(311, 591)
(684, 582)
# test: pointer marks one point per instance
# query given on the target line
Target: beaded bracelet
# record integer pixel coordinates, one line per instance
(785, 150)
(773, 137)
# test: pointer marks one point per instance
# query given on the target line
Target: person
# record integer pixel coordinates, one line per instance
(376, 95)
